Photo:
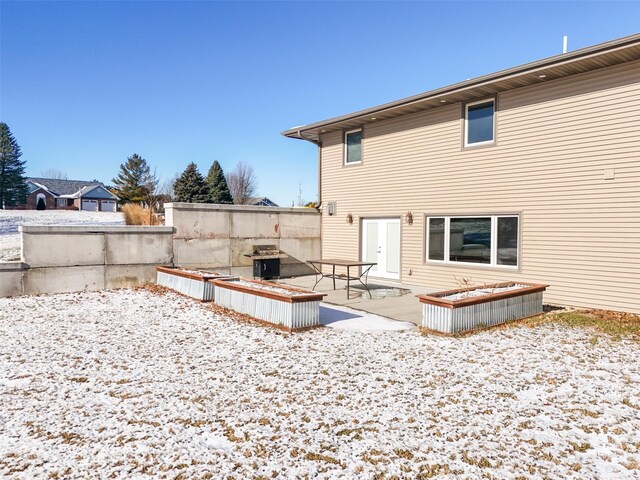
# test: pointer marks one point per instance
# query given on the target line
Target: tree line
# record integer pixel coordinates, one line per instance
(136, 183)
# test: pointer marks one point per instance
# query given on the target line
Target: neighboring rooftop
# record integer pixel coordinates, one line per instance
(262, 202)
(602, 55)
(63, 187)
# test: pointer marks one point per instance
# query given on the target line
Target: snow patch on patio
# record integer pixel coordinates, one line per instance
(345, 318)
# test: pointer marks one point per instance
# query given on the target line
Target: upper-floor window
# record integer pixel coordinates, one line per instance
(479, 123)
(353, 146)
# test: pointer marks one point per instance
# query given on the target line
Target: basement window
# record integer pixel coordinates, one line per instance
(353, 146)
(479, 121)
(490, 240)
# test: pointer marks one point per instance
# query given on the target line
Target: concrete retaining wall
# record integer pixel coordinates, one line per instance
(11, 278)
(219, 236)
(58, 259)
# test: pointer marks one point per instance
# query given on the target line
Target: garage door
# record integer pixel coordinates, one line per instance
(108, 206)
(91, 205)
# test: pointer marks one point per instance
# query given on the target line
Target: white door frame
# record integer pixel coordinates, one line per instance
(380, 270)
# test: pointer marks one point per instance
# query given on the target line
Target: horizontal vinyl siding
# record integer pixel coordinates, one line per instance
(580, 233)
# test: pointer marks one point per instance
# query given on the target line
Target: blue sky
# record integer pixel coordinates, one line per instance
(86, 84)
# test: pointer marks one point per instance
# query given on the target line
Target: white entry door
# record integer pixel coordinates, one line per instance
(381, 244)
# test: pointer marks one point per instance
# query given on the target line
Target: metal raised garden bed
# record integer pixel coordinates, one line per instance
(282, 306)
(454, 311)
(193, 283)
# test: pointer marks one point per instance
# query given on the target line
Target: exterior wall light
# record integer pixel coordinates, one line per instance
(349, 219)
(409, 218)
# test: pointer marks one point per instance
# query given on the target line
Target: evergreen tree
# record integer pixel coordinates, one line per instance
(135, 182)
(191, 186)
(217, 183)
(13, 189)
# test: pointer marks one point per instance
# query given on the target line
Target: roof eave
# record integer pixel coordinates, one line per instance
(311, 132)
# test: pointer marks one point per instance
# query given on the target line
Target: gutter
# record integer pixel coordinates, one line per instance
(301, 137)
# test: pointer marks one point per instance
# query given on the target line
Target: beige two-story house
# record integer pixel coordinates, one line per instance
(528, 174)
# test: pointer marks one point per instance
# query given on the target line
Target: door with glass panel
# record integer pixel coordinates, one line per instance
(381, 244)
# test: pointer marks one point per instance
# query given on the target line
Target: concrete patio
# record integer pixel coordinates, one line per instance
(387, 299)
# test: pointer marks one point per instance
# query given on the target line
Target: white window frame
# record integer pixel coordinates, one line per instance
(346, 151)
(466, 123)
(493, 262)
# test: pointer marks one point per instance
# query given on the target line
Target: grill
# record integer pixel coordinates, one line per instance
(266, 261)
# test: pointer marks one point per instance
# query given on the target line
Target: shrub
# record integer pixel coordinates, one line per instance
(136, 214)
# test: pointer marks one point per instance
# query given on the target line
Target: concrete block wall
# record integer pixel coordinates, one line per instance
(219, 236)
(11, 278)
(59, 259)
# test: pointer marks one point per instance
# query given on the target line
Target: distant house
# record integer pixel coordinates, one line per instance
(261, 202)
(55, 194)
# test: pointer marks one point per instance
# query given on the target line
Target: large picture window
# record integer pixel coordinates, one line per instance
(483, 240)
(479, 123)
(353, 147)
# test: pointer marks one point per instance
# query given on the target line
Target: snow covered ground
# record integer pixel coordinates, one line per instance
(10, 219)
(130, 384)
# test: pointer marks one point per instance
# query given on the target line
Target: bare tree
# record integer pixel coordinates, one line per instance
(164, 193)
(166, 187)
(54, 174)
(242, 183)
(152, 197)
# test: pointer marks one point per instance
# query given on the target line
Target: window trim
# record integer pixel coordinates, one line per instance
(493, 263)
(466, 143)
(345, 163)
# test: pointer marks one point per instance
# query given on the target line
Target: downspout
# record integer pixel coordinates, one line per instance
(318, 143)
(319, 174)
(319, 205)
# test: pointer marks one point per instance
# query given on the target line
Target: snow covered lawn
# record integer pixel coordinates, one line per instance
(10, 219)
(131, 384)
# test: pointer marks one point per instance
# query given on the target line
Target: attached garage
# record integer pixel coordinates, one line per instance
(91, 205)
(96, 198)
(108, 206)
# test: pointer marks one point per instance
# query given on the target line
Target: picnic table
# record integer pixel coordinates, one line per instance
(348, 264)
